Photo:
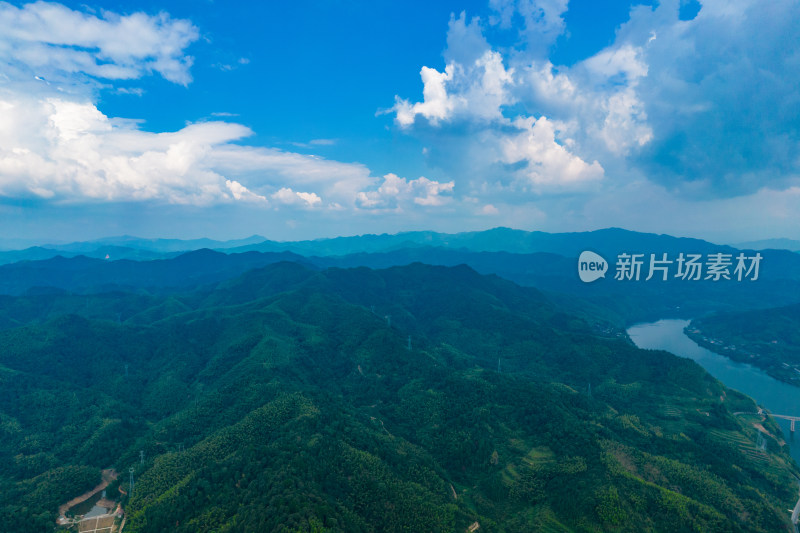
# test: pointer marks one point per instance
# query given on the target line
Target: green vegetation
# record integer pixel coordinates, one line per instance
(283, 400)
(768, 339)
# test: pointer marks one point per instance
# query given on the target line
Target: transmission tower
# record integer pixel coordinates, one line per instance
(130, 471)
(141, 457)
(409, 343)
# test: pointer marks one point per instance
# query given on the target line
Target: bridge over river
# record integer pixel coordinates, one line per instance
(792, 419)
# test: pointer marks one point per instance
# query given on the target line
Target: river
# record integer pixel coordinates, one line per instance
(778, 397)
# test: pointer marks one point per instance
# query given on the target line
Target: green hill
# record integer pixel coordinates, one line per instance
(287, 399)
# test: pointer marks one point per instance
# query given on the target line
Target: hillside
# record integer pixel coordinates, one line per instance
(288, 399)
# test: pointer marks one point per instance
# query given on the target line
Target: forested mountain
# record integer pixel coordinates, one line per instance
(414, 398)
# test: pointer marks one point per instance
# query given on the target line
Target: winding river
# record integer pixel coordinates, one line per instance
(776, 396)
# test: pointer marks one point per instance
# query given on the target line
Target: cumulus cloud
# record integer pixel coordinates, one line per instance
(474, 99)
(707, 107)
(396, 193)
(435, 105)
(546, 162)
(240, 192)
(70, 151)
(289, 197)
(474, 86)
(66, 151)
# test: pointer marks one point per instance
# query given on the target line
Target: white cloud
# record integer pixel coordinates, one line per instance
(549, 127)
(707, 106)
(55, 143)
(469, 92)
(547, 163)
(334, 180)
(625, 125)
(55, 42)
(475, 83)
(513, 121)
(541, 85)
(542, 20)
(289, 197)
(70, 152)
(625, 60)
(435, 105)
(396, 193)
(240, 192)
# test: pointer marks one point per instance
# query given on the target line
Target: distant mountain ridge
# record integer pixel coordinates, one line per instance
(543, 260)
(774, 244)
(157, 245)
(123, 247)
(494, 240)
(85, 274)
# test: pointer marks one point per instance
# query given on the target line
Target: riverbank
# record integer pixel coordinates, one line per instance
(758, 356)
(775, 395)
(767, 338)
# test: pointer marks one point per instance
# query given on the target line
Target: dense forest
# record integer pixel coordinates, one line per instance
(413, 398)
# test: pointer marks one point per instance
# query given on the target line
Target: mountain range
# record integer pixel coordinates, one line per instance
(418, 397)
(417, 382)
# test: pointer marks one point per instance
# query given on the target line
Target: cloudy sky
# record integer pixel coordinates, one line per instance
(337, 117)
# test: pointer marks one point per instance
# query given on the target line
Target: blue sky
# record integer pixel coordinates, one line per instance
(310, 119)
